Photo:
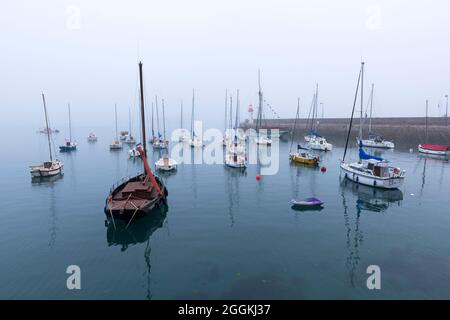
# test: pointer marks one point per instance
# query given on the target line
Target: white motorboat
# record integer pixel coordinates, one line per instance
(263, 140)
(116, 145)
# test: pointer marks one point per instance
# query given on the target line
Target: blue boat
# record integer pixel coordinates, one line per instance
(69, 145)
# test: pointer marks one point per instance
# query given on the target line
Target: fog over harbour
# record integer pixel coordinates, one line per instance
(86, 53)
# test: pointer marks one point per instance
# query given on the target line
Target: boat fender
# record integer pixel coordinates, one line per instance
(375, 182)
(357, 179)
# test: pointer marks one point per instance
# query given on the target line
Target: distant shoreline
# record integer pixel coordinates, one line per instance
(406, 132)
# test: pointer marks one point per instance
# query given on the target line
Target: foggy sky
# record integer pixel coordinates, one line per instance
(91, 62)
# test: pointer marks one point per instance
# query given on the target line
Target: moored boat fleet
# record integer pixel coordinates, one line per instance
(139, 195)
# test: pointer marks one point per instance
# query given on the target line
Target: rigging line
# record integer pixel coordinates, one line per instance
(353, 111)
(295, 123)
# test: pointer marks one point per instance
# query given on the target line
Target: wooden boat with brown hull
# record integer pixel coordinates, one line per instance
(137, 196)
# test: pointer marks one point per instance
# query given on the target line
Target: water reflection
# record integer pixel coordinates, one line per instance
(367, 199)
(138, 232)
(372, 199)
(232, 190)
(49, 182)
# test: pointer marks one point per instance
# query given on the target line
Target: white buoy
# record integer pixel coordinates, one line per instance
(411, 150)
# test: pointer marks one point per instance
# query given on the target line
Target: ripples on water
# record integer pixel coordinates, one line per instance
(223, 234)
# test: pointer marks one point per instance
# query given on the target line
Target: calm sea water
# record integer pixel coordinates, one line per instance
(224, 235)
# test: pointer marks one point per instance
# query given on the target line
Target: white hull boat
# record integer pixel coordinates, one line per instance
(166, 164)
(319, 143)
(116, 145)
(377, 143)
(133, 153)
(263, 141)
(437, 151)
(235, 161)
(47, 169)
(363, 173)
(160, 144)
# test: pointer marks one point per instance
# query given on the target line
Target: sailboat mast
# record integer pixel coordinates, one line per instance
(48, 129)
(362, 100)
(192, 116)
(157, 117)
(70, 124)
(231, 112)
(129, 122)
(426, 122)
(141, 84)
(181, 121)
(226, 110)
(153, 129)
(295, 124)
(353, 112)
(371, 108)
(164, 121)
(260, 95)
(115, 112)
(317, 104)
(237, 115)
(446, 110)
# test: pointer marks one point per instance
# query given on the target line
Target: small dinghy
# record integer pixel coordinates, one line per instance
(308, 202)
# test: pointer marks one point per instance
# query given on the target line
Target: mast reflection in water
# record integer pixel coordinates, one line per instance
(138, 232)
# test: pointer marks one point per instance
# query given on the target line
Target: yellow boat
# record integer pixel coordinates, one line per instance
(304, 158)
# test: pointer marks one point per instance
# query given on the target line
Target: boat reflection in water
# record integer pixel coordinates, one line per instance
(118, 233)
(372, 199)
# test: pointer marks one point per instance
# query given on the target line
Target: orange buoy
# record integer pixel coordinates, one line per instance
(258, 177)
(323, 169)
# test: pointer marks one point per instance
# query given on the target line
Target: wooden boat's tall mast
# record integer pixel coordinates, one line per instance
(48, 129)
(141, 84)
(115, 112)
(426, 121)
(70, 124)
(371, 108)
(362, 101)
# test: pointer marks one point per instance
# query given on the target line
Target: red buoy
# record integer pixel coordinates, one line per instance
(323, 169)
(258, 177)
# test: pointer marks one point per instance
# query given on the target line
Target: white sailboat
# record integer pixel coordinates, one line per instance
(92, 137)
(116, 144)
(226, 136)
(374, 140)
(194, 141)
(370, 170)
(235, 152)
(314, 139)
(129, 139)
(159, 143)
(260, 139)
(184, 135)
(50, 167)
(165, 163)
(69, 145)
